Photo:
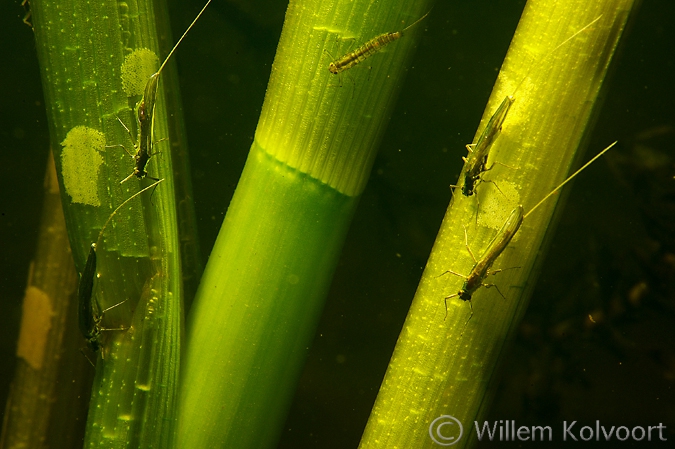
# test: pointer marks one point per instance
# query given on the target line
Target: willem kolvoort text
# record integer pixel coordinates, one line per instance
(506, 430)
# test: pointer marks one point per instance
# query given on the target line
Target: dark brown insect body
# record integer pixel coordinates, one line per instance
(89, 312)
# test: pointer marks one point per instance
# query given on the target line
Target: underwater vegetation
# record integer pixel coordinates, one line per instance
(397, 209)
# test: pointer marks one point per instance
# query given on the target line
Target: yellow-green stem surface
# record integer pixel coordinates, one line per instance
(445, 366)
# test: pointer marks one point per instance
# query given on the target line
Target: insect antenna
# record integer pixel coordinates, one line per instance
(554, 50)
(182, 37)
(570, 178)
(416, 22)
(105, 225)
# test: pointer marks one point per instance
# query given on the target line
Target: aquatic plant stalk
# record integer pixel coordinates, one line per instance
(82, 49)
(47, 378)
(263, 290)
(446, 366)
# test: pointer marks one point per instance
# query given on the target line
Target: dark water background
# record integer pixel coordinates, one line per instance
(613, 255)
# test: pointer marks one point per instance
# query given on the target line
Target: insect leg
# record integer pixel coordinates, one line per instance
(131, 136)
(451, 272)
(446, 304)
(156, 142)
(502, 269)
(502, 164)
(133, 173)
(495, 286)
(466, 243)
(87, 357)
(112, 307)
(469, 319)
(493, 183)
(29, 13)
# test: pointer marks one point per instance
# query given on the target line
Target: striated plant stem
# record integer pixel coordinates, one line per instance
(446, 366)
(264, 287)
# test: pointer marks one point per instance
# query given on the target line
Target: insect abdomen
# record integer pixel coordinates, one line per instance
(363, 52)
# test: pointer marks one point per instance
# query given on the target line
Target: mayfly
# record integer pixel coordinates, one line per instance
(475, 164)
(482, 267)
(89, 310)
(146, 109)
(368, 49)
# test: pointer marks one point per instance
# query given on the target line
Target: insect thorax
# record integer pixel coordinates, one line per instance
(469, 186)
(464, 295)
(94, 343)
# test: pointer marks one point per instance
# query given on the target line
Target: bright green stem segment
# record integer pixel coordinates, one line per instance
(259, 301)
(267, 278)
(445, 366)
(82, 47)
(328, 124)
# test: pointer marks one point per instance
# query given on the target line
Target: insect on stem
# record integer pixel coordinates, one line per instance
(368, 49)
(90, 313)
(146, 110)
(475, 164)
(482, 267)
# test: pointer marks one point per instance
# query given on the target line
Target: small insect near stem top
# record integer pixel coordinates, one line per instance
(368, 49)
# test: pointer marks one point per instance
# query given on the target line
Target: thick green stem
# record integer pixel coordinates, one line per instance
(84, 50)
(445, 366)
(259, 301)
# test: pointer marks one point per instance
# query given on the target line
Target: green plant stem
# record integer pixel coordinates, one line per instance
(260, 298)
(446, 366)
(81, 47)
